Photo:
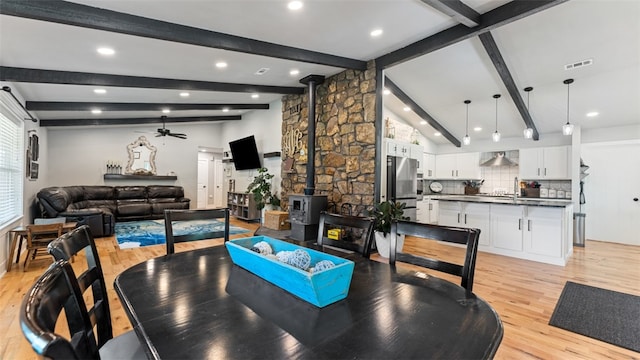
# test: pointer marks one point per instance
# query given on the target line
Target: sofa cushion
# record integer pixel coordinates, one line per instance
(164, 191)
(158, 208)
(131, 192)
(99, 193)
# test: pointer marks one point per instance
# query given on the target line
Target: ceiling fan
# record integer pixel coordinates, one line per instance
(164, 131)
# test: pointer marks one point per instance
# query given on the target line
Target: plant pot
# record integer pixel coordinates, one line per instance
(382, 243)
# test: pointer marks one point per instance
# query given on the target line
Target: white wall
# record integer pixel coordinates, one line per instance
(266, 127)
(78, 156)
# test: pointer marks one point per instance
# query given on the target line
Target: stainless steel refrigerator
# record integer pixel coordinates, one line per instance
(402, 183)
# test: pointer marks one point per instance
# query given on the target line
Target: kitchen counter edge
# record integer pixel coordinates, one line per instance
(503, 200)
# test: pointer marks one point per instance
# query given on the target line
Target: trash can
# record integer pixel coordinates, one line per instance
(578, 229)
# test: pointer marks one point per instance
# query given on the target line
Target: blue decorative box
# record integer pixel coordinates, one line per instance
(320, 288)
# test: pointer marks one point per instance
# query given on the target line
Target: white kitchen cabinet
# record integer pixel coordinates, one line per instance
(542, 231)
(397, 148)
(545, 163)
(416, 151)
(468, 215)
(506, 227)
(428, 165)
(422, 211)
(458, 166)
(433, 211)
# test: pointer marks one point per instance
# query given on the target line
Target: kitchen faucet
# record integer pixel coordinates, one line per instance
(515, 188)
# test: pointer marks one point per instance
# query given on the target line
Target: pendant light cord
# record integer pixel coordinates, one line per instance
(568, 85)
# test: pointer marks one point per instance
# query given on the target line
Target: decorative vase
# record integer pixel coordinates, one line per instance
(382, 243)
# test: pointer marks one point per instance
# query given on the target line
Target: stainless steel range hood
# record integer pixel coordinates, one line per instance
(499, 159)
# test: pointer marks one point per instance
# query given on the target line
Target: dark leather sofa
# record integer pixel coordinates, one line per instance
(101, 206)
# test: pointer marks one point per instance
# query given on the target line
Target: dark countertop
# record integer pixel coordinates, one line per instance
(506, 200)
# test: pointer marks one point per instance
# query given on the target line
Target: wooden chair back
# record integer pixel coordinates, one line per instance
(54, 291)
(64, 248)
(427, 232)
(171, 217)
(354, 232)
(38, 237)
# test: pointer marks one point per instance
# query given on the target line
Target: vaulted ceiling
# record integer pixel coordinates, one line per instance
(436, 54)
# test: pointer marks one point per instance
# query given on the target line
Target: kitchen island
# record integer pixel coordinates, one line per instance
(527, 228)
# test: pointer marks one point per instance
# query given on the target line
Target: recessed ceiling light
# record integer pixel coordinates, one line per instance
(255, 96)
(386, 91)
(593, 113)
(184, 94)
(100, 91)
(406, 108)
(477, 128)
(294, 72)
(106, 51)
(221, 65)
(376, 33)
(225, 110)
(166, 111)
(423, 122)
(437, 133)
(96, 111)
(295, 5)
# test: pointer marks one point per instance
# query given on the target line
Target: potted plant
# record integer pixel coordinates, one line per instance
(260, 187)
(383, 215)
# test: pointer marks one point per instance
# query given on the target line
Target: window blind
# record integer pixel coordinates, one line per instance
(11, 165)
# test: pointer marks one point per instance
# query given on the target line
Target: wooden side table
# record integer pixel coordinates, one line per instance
(19, 232)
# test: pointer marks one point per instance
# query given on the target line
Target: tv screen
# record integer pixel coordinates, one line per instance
(245, 153)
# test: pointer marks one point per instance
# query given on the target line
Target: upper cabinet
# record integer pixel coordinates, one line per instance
(458, 166)
(403, 149)
(550, 163)
(429, 165)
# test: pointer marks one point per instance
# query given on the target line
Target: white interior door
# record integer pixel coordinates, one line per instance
(612, 214)
(219, 197)
(203, 179)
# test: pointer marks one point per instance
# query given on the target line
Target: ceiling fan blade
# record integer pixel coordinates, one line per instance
(179, 136)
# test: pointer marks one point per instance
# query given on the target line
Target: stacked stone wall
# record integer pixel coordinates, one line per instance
(345, 141)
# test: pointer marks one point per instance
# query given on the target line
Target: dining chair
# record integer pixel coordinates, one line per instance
(92, 277)
(427, 232)
(57, 290)
(177, 231)
(351, 233)
(38, 237)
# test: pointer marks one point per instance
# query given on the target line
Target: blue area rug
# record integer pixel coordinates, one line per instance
(151, 232)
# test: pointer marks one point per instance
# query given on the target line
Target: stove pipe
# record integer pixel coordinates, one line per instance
(311, 81)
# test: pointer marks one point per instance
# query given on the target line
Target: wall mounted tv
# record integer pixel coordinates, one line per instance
(245, 153)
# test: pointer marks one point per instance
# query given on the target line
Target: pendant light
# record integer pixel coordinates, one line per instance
(466, 139)
(496, 135)
(528, 132)
(567, 129)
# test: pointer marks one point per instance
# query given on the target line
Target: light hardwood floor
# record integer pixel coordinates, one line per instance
(524, 294)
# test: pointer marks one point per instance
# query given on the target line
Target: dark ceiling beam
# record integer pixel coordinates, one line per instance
(490, 20)
(498, 61)
(110, 106)
(15, 74)
(457, 10)
(395, 90)
(134, 121)
(68, 13)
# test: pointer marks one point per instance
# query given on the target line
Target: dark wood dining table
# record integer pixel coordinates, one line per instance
(199, 305)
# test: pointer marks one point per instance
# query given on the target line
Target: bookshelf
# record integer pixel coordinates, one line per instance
(242, 206)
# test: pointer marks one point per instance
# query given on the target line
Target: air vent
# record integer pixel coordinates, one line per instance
(578, 64)
(261, 71)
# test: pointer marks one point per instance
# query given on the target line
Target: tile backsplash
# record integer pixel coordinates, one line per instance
(497, 178)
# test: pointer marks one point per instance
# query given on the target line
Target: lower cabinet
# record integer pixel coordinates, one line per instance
(506, 225)
(427, 211)
(537, 233)
(466, 214)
